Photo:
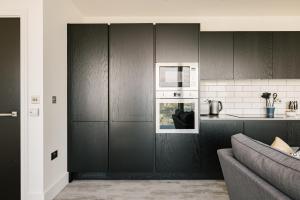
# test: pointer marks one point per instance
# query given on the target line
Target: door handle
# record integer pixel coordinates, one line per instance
(12, 114)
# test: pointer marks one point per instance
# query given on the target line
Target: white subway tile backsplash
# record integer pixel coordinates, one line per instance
(244, 96)
(277, 82)
(225, 82)
(242, 82)
(260, 82)
(293, 81)
(233, 99)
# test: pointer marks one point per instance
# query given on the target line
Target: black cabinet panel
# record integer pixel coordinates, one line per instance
(131, 72)
(216, 135)
(177, 153)
(266, 131)
(252, 55)
(286, 59)
(216, 55)
(177, 42)
(131, 147)
(88, 71)
(294, 133)
(88, 147)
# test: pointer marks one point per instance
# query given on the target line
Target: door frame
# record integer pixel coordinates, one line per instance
(22, 15)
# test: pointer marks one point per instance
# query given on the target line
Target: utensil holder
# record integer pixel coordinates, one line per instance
(270, 112)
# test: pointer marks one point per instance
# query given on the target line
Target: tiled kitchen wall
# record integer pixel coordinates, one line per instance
(244, 96)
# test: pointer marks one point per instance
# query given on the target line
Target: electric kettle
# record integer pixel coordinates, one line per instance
(215, 107)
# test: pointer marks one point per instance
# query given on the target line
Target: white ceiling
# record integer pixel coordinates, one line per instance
(187, 8)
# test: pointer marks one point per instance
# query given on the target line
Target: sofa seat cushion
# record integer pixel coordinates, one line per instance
(279, 169)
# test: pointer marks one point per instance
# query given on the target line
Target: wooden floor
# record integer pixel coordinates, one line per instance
(145, 190)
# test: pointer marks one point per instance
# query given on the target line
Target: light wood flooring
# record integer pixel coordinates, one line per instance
(145, 190)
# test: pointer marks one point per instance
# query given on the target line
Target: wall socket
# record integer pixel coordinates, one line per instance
(54, 155)
(53, 99)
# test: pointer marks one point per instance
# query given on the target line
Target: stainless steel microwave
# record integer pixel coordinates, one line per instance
(177, 76)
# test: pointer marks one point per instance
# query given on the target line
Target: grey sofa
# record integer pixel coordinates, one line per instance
(256, 171)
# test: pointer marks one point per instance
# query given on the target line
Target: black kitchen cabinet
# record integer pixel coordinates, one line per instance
(88, 147)
(88, 102)
(177, 42)
(286, 59)
(88, 72)
(252, 55)
(131, 63)
(178, 153)
(294, 133)
(131, 147)
(216, 55)
(216, 135)
(266, 130)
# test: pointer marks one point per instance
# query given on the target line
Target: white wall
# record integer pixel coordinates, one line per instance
(32, 134)
(57, 14)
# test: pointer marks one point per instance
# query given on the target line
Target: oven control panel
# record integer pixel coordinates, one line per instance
(177, 95)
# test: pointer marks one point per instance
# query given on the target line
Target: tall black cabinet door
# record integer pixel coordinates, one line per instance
(89, 149)
(216, 55)
(177, 42)
(286, 59)
(131, 147)
(88, 70)
(88, 97)
(253, 55)
(131, 72)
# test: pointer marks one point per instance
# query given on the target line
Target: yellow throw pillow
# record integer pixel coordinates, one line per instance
(282, 146)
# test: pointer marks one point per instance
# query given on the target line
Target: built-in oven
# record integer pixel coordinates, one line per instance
(176, 76)
(177, 112)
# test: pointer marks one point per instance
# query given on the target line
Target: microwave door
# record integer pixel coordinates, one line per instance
(176, 76)
(177, 116)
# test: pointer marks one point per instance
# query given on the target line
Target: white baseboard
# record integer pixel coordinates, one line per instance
(35, 196)
(57, 187)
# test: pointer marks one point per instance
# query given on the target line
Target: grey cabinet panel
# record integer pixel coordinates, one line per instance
(88, 147)
(216, 55)
(286, 59)
(177, 42)
(131, 72)
(178, 153)
(216, 135)
(266, 131)
(131, 147)
(88, 71)
(252, 55)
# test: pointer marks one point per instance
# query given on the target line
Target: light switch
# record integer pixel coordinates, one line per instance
(34, 112)
(35, 100)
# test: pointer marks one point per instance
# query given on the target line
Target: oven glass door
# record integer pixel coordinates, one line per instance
(174, 76)
(177, 116)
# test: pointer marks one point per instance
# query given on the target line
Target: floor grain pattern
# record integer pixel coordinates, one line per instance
(145, 190)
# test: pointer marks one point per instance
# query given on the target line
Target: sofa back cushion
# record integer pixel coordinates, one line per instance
(279, 169)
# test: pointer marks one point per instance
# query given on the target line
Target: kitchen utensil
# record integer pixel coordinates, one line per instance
(267, 95)
(205, 107)
(215, 107)
(275, 95)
